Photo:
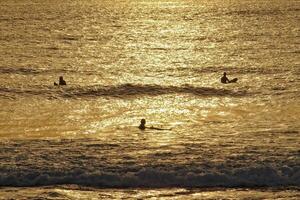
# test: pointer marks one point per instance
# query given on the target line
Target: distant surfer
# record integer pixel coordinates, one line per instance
(61, 81)
(142, 126)
(225, 80)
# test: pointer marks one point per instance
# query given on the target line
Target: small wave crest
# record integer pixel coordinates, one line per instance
(30, 70)
(258, 176)
(19, 70)
(119, 91)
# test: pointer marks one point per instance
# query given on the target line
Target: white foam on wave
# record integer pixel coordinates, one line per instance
(255, 176)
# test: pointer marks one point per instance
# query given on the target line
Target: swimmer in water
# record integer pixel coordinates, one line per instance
(61, 81)
(143, 127)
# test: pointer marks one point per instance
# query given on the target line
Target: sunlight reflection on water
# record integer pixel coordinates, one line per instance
(158, 60)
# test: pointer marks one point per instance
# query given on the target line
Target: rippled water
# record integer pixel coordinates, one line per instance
(160, 60)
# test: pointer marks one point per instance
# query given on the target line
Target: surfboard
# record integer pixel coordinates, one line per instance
(233, 80)
(160, 129)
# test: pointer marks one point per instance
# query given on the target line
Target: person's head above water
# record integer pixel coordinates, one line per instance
(142, 125)
(62, 81)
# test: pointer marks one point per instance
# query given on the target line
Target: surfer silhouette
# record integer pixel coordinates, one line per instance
(142, 126)
(225, 80)
(61, 81)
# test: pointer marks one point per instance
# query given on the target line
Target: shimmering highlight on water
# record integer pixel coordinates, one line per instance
(160, 60)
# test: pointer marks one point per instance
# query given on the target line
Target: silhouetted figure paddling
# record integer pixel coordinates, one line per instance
(143, 127)
(225, 80)
(61, 81)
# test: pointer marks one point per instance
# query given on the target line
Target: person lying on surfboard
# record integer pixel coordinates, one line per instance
(225, 80)
(143, 127)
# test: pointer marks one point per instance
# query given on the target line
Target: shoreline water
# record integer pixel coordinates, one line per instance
(74, 192)
(104, 163)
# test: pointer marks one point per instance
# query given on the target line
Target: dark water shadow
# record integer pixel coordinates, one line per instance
(40, 71)
(118, 91)
(150, 90)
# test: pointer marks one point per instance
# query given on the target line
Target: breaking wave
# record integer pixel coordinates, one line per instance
(259, 176)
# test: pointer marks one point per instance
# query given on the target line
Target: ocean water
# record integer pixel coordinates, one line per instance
(155, 59)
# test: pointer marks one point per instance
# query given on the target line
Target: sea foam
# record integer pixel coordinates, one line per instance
(148, 177)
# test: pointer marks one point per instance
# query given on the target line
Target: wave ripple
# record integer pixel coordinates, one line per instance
(119, 91)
